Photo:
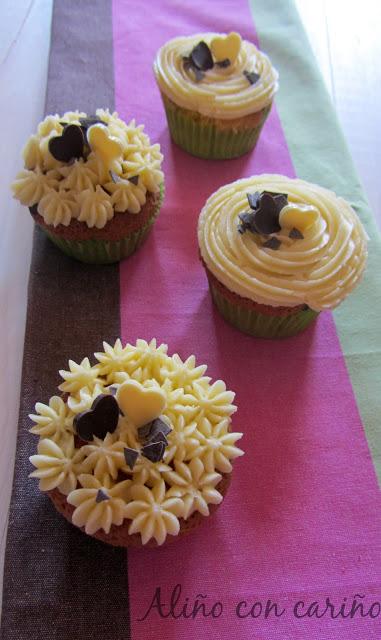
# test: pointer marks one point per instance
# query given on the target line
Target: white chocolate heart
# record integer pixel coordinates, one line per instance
(228, 46)
(100, 141)
(298, 216)
(139, 404)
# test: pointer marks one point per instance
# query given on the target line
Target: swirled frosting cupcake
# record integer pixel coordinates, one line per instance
(94, 184)
(138, 447)
(217, 91)
(278, 251)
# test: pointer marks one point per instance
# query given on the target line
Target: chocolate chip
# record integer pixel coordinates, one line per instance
(69, 145)
(154, 451)
(223, 63)
(144, 431)
(251, 76)
(134, 180)
(272, 243)
(130, 456)
(101, 419)
(101, 496)
(253, 199)
(201, 57)
(295, 234)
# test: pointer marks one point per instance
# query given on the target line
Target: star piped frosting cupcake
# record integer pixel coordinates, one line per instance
(138, 447)
(94, 184)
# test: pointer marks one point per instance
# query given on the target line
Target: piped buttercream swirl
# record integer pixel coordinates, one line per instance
(223, 93)
(319, 270)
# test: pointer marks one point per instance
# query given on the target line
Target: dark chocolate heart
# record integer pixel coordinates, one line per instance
(68, 146)
(101, 419)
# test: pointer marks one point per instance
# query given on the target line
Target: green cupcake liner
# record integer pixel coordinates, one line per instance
(105, 251)
(202, 138)
(260, 325)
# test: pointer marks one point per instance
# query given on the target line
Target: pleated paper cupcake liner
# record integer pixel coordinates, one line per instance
(203, 138)
(105, 251)
(261, 325)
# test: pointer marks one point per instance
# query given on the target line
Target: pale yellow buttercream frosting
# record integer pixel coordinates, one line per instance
(83, 188)
(152, 496)
(223, 93)
(319, 270)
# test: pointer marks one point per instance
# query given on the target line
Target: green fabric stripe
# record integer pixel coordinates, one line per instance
(320, 154)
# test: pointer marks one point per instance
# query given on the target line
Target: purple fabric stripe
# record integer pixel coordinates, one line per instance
(58, 582)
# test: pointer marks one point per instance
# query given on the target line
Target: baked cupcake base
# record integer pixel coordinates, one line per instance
(259, 320)
(120, 238)
(119, 536)
(211, 138)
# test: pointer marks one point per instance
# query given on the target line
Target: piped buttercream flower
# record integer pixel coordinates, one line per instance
(114, 359)
(79, 376)
(54, 466)
(195, 486)
(218, 445)
(57, 207)
(78, 176)
(213, 402)
(183, 374)
(182, 443)
(30, 186)
(153, 513)
(98, 506)
(53, 421)
(95, 207)
(83, 400)
(102, 457)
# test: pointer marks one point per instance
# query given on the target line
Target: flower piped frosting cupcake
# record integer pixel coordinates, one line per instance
(217, 90)
(93, 183)
(138, 446)
(278, 251)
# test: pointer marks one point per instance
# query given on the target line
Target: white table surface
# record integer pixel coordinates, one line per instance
(345, 37)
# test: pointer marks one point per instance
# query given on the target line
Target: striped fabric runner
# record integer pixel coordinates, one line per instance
(294, 551)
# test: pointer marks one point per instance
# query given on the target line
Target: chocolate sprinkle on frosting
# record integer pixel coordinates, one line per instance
(272, 243)
(130, 456)
(251, 76)
(101, 496)
(264, 217)
(159, 426)
(114, 177)
(159, 437)
(201, 57)
(154, 451)
(295, 234)
(134, 180)
(223, 63)
(253, 199)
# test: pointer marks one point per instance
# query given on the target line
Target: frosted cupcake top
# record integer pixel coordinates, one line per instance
(139, 436)
(88, 168)
(217, 75)
(282, 242)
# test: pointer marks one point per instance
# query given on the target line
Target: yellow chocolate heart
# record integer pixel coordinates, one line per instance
(100, 141)
(228, 46)
(139, 404)
(298, 216)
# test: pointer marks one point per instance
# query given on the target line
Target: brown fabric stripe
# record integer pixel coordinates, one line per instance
(59, 583)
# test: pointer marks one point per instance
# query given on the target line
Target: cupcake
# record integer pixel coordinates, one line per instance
(92, 183)
(217, 91)
(137, 449)
(278, 251)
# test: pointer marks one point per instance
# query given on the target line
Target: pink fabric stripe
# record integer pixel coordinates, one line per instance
(299, 520)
